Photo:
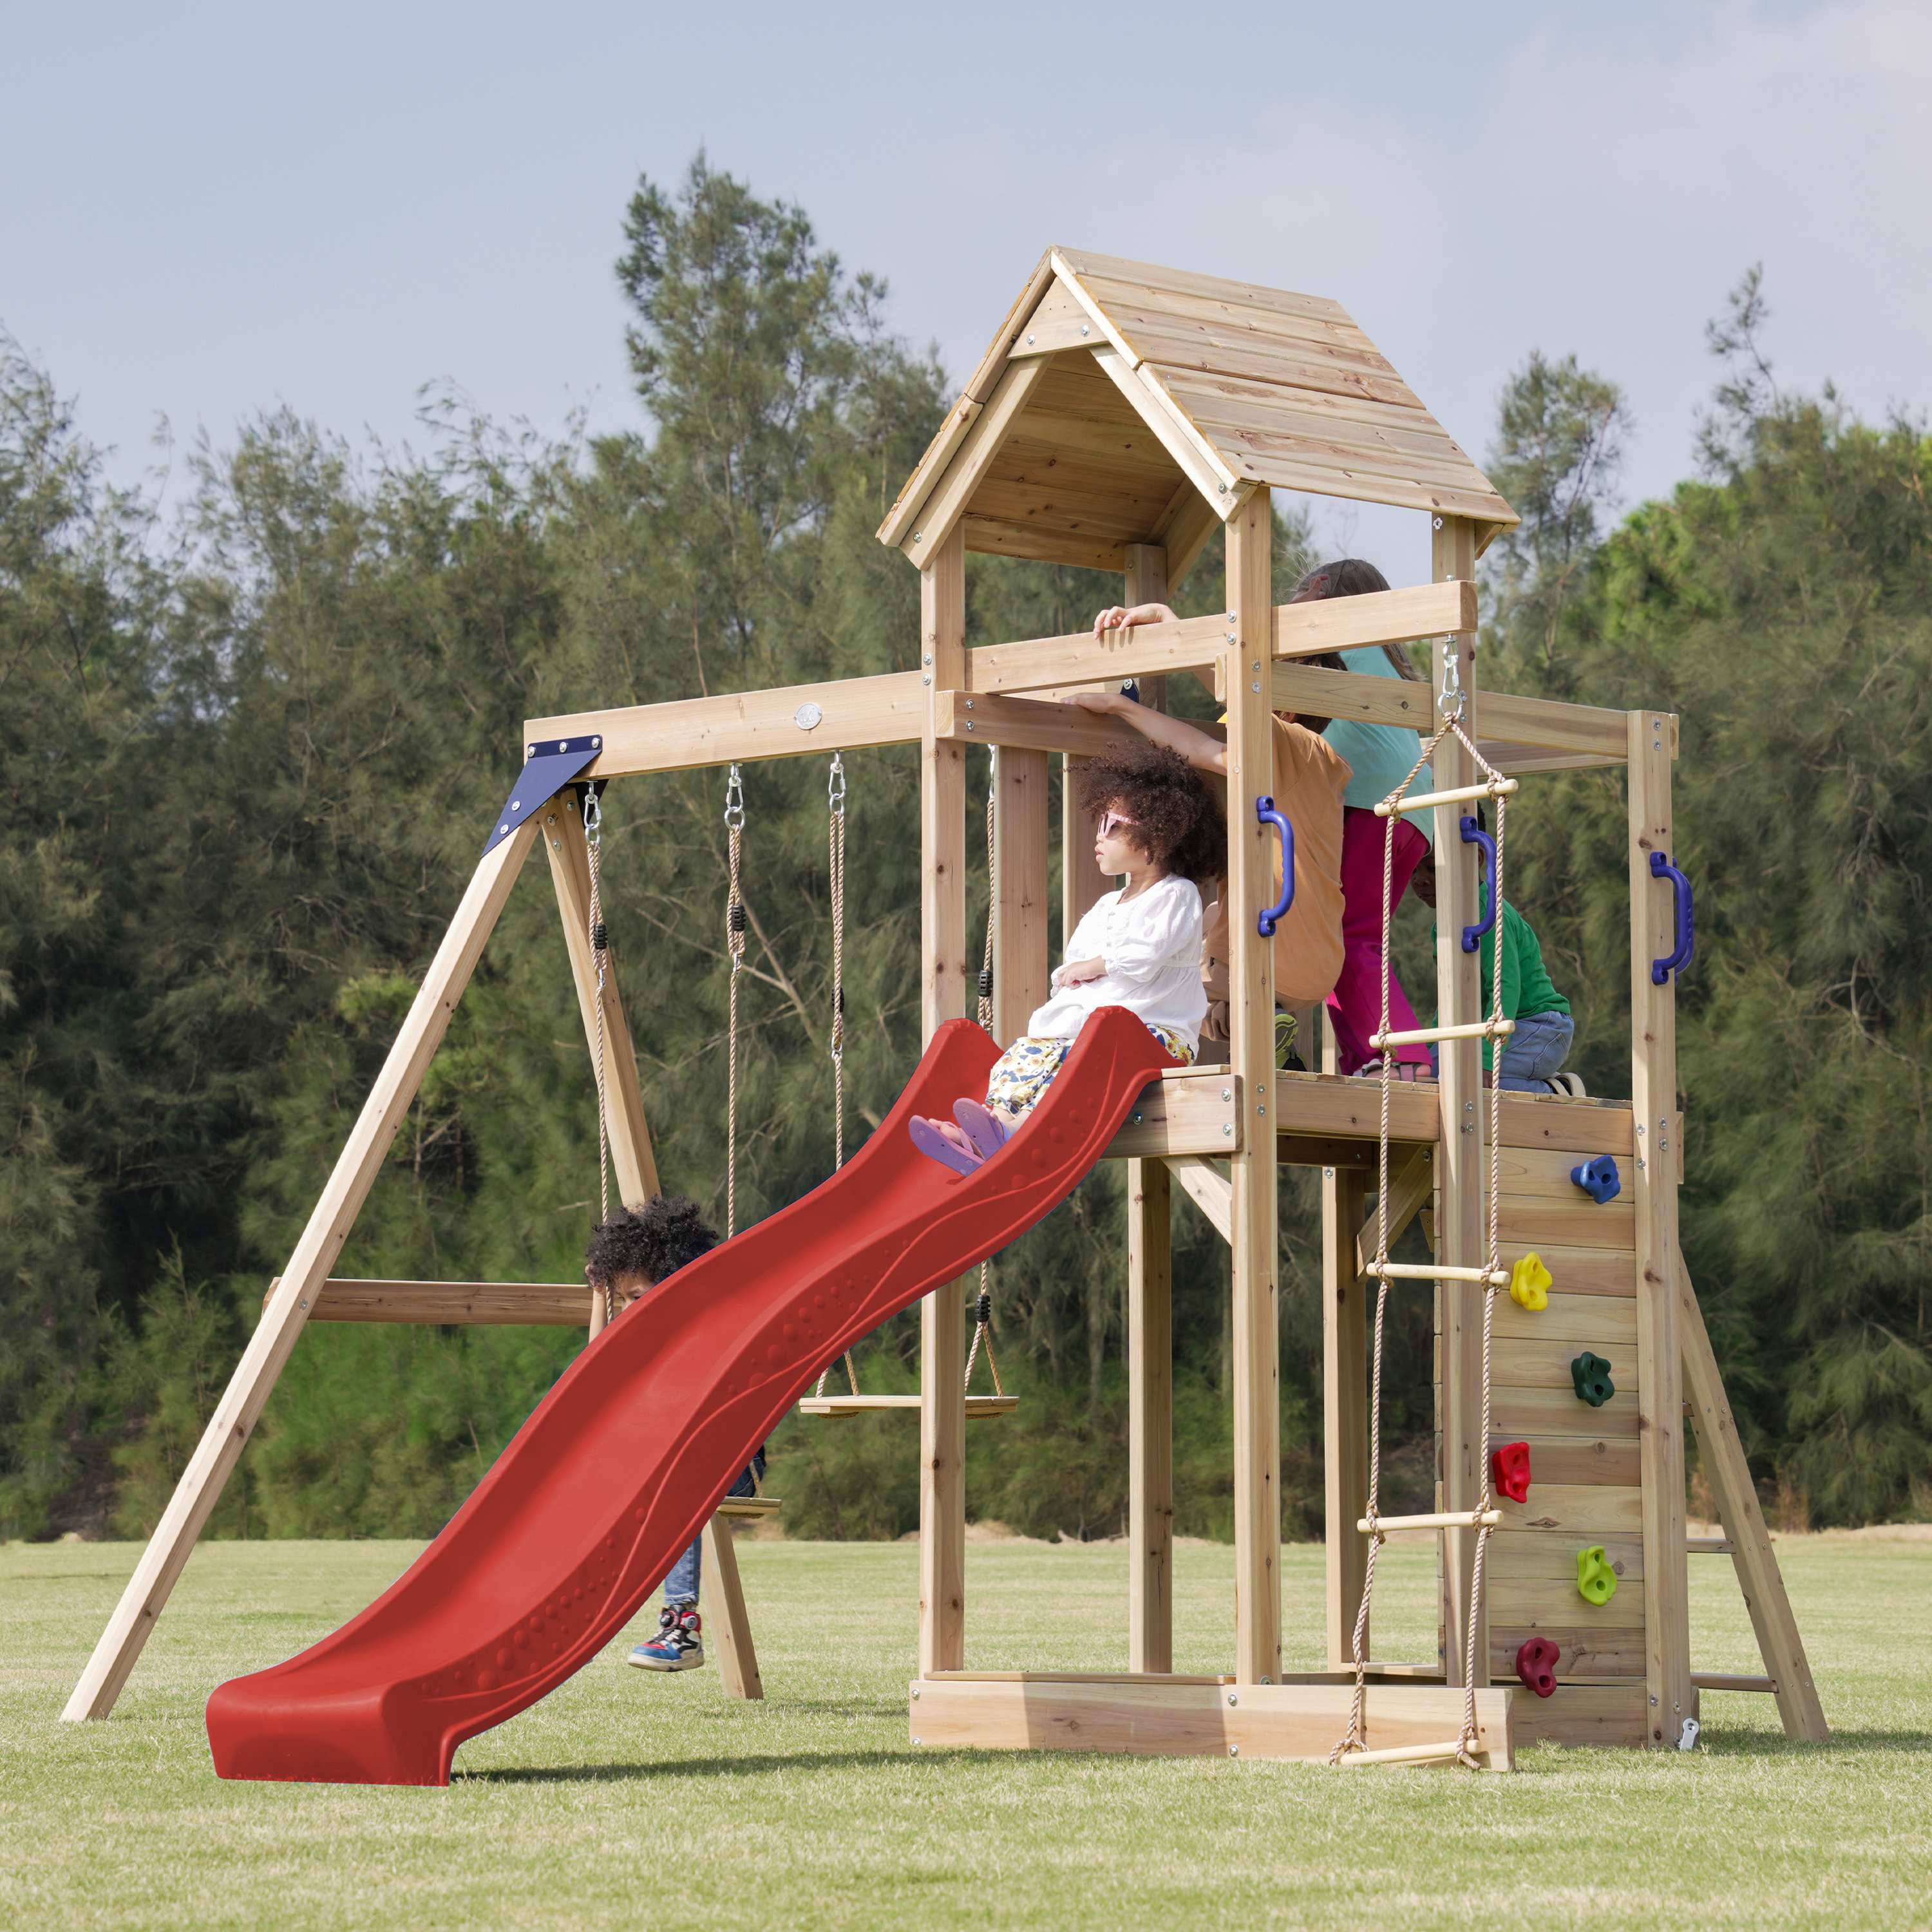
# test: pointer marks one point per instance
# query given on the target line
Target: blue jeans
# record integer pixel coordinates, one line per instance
(1538, 1047)
(681, 1585)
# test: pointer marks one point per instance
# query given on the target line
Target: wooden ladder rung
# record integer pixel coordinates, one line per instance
(1451, 1520)
(742, 1507)
(1709, 1546)
(1718, 1680)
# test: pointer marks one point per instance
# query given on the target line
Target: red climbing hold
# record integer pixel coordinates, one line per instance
(1509, 1469)
(1536, 1663)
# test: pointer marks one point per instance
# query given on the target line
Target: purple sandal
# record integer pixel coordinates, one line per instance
(927, 1137)
(982, 1127)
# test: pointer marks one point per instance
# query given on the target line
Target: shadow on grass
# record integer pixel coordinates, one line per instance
(749, 1766)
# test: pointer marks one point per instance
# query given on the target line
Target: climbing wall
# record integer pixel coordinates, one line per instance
(1585, 1489)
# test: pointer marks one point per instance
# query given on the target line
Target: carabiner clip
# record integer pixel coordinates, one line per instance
(835, 787)
(734, 801)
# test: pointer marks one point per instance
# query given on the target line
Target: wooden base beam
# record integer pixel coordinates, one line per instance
(1177, 1718)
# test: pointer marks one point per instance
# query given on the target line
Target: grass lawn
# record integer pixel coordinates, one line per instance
(631, 1799)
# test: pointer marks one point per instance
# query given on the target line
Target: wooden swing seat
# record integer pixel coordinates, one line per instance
(977, 1406)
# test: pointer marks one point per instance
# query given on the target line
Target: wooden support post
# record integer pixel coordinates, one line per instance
(1021, 891)
(1758, 1577)
(283, 1320)
(1460, 1223)
(1150, 1418)
(1666, 1588)
(942, 1491)
(1345, 1297)
(1256, 1245)
(630, 1133)
(730, 1627)
(1146, 582)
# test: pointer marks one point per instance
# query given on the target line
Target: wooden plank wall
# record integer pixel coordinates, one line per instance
(1586, 1483)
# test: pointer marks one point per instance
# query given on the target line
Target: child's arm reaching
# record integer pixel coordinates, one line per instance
(1204, 752)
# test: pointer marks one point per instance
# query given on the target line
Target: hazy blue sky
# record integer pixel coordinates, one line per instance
(212, 208)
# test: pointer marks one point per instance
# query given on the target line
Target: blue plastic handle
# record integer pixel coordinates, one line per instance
(1661, 970)
(1266, 815)
(1473, 936)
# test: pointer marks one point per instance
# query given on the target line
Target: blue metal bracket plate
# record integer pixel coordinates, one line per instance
(547, 768)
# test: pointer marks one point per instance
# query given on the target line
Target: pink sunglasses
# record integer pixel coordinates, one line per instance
(1111, 819)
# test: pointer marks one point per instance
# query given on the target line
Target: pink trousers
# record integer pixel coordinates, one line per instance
(1355, 1006)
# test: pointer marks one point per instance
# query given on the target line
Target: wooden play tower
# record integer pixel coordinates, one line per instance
(1122, 415)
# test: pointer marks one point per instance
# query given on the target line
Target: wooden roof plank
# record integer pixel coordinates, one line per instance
(1148, 329)
(1115, 268)
(918, 486)
(1120, 443)
(947, 501)
(1440, 499)
(991, 538)
(1124, 298)
(1197, 458)
(985, 378)
(1286, 372)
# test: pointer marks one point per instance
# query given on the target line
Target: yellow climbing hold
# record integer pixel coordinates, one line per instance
(1596, 1581)
(1530, 1282)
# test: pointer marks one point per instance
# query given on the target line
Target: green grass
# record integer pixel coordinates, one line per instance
(634, 1800)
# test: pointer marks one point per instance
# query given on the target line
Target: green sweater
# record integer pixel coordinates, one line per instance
(1527, 990)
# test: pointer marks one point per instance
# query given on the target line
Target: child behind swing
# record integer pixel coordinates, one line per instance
(1159, 828)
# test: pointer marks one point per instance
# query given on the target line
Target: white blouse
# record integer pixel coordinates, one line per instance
(1151, 946)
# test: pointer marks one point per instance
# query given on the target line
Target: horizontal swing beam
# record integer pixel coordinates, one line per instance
(853, 714)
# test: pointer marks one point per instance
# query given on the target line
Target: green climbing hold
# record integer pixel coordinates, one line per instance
(1592, 1375)
(1596, 1581)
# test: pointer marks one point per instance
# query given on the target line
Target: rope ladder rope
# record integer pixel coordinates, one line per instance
(1353, 1744)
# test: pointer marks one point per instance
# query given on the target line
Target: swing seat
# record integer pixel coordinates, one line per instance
(977, 1406)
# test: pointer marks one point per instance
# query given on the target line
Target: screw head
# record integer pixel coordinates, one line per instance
(1232, 1699)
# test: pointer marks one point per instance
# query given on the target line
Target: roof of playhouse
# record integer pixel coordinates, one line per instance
(1123, 404)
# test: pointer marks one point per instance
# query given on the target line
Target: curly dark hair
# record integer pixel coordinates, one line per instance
(653, 1240)
(1177, 822)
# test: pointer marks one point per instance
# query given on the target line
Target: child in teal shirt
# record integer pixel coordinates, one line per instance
(1534, 1054)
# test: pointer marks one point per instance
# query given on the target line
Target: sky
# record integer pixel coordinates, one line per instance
(215, 209)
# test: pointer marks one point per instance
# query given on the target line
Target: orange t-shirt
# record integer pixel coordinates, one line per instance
(1310, 776)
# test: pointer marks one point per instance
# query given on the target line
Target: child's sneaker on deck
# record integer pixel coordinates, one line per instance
(677, 1645)
(1286, 1027)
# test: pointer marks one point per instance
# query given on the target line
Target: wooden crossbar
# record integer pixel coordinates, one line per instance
(1455, 794)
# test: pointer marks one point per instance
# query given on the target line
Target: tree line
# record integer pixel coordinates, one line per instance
(249, 748)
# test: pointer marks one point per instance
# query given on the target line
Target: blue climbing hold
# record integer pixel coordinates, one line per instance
(1598, 1179)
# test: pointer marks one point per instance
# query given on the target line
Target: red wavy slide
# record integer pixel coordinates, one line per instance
(621, 1464)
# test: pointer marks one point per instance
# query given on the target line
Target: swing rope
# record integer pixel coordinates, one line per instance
(834, 788)
(1354, 1739)
(734, 941)
(600, 952)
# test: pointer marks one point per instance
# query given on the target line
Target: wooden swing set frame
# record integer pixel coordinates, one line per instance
(1122, 415)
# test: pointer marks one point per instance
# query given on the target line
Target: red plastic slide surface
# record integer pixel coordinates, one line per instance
(621, 1464)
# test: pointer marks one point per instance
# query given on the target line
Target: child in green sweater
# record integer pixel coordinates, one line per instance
(1533, 1055)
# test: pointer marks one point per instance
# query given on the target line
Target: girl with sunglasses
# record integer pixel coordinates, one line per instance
(1159, 829)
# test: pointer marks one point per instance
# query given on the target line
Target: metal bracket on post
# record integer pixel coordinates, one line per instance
(547, 768)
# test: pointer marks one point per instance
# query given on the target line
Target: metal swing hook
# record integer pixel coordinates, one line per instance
(1450, 702)
(593, 815)
(834, 788)
(734, 801)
